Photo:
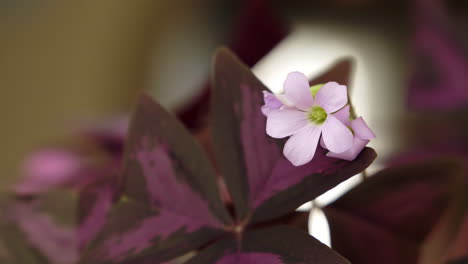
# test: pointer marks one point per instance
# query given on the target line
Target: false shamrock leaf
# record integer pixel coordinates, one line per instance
(390, 215)
(170, 203)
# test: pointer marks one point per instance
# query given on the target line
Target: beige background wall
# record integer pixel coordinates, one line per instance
(68, 60)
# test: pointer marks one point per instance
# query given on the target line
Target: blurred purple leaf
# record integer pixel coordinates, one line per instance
(390, 215)
(439, 80)
(51, 168)
(275, 245)
(252, 163)
(68, 168)
(14, 246)
(58, 244)
(459, 248)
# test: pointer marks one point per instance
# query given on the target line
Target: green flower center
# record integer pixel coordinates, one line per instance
(317, 115)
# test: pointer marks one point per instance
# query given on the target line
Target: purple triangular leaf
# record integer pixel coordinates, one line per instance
(256, 172)
(389, 216)
(170, 202)
(275, 245)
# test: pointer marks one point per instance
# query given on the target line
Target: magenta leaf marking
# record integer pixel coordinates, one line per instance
(170, 194)
(179, 207)
(100, 198)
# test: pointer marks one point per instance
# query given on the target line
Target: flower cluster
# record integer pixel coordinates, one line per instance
(311, 114)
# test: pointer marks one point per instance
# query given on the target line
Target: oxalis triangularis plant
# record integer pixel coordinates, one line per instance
(166, 202)
(169, 203)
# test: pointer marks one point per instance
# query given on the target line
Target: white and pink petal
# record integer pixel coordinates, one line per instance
(353, 152)
(301, 147)
(285, 122)
(296, 90)
(361, 130)
(332, 97)
(343, 115)
(336, 136)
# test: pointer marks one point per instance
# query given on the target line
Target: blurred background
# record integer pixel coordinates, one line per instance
(66, 62)
(66, 66)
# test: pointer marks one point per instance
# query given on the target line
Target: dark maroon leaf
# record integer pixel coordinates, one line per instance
(459, 248)
(389, 216)
(170, 202)
(256, 31)
(448, 241)
(297, 219)
(463, 260)
(263, 184)
(276, 245)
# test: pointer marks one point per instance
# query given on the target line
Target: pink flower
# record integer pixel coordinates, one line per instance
(307, 117)
(362, 135)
